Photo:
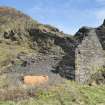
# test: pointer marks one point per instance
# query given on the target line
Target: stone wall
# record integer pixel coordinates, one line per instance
(89, 56)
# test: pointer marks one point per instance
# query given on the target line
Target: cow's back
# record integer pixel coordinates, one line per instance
(35, 80)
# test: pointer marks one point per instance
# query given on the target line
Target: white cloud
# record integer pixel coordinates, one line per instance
(100, 15)
(69, 16)
(102, 2)
(100, 11)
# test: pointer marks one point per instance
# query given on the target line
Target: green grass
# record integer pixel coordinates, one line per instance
(69, 93)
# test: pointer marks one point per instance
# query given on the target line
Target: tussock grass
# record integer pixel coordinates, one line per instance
(69, 93)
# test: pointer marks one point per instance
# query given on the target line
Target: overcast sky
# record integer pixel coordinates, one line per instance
(68, 15)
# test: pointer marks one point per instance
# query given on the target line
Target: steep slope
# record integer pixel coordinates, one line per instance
(30, 48)
(18, 26)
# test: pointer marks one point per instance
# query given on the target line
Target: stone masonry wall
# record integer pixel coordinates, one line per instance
(89, 56)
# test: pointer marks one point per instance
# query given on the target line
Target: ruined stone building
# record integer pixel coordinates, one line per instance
(87, 56)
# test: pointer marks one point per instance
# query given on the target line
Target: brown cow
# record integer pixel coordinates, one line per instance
(35, 80)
